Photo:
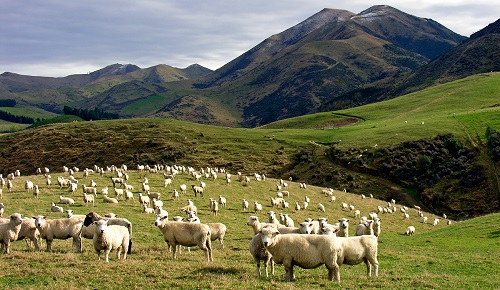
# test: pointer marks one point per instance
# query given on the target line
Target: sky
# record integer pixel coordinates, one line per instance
(57, 38)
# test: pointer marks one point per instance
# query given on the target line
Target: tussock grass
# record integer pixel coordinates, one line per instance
(462, 255)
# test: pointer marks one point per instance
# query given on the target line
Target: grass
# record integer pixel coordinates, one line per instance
(463, 255)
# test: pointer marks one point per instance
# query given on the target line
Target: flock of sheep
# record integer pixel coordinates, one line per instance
(311, 244)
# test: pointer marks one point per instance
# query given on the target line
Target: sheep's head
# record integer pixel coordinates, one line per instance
(252, 220)
(16, 219)
(159, 219)
(101, 225)
(268, 235)
(90, 218)
(39, 220)
(306, 227)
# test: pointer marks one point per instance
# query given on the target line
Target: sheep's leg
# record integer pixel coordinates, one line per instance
(259, 273)
(374, 262)
(49, 245)
(106, 254)
(209, 249)
(98, 254)
(174, 250)
(272, 266)
(368, 268)
(118, 252)
(7, 246)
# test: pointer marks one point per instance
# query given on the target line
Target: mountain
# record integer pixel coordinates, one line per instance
(334, 59)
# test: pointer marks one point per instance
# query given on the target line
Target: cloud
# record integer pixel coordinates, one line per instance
(59, 37)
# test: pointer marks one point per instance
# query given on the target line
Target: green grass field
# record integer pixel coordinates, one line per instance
(463, 255)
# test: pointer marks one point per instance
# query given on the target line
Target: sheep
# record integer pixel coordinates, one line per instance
(89, 189)
(222, 201)
(259, 253)
(104, 190)
(410, 231)
(186, 234)
(297, 206)
(321, 207)
(55, 208)
(69, 214)
(129, 195)
(88, 198)
(146, 209)
(160, 211)
(253, 221)
(329, 230)
(214, 206)
(2, 208)
(91, 217)
(112, 237)
(9, 232)
(36, 191)
(357, 213)
(66, 200)
(376, 227)
(257, 207)
(144, 199)
(288, 221)
(305, 251)
(60, 229)
(197, 190)
(365, 228)
(244, 204)
(108, 199)
(272, 219)
(314, 226)
(153, 194)
(119, 193)
(435, 222)
(175, 195)
(333, 198)
(305, 204)
(156, 203)
(29, 232)
(344, 227)
(28, 185)
(183, 188)
(217, 232)
(345, 206)
(354, 250)
(167, 182)
(117, 180)
(189, 208)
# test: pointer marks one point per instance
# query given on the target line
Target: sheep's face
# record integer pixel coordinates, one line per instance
(16, 219)
(322, 221)
(251, 220)
(329, 231)
(101, 225)
(306, 227)
(268, 236)
(39, 221)
(344, 223)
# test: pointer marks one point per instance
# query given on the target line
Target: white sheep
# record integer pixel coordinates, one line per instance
(344, 227)
(329, 230)
(410, 231)
(2, 208)
(315, 229)
(129, 195)
(63, 229)
(88, 198)
(253, 221)
(321, 207)
(197, 190)
(222, 201)
(183, 188)
(147, 210)
(108, 199)
(110, 237)
(244, 204)
(9, 232)
(259, 253)
(217, 232)
(91, 217)
(365, 228)
(257, 207)
(297, 206)
(186, 234)
(305, 251)
(175, 195)
(214, 206)
(435, 222)
(66, 200)
(56, 208)
(160, 211)
(144, 199)
(69, 214)
(344, 206)
(354, 250)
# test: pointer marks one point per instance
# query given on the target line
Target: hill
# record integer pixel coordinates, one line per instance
(384, 134)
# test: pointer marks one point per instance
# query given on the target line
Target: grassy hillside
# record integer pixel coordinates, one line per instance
(461, 255)
(475, 101)
(28, 111)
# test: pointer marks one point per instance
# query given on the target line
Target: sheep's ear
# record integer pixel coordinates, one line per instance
(44, 217)
(336, 230)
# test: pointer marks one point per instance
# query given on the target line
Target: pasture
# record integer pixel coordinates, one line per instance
(461, 255)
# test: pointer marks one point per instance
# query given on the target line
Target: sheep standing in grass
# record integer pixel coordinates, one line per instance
(186, 234)
(9, 232)
(2, 208)
(244, 204)
(410, 231)
(112, 237)
(354, 250)
(60, 229)
(88, 198)
(257, 207)
(321, 207)
(217, 232)
(259, 253)
(91, 217)
(305, 251)
(343, 228)
(365, 228)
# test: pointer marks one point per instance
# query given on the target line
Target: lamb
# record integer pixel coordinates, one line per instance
(183, 188)
(119, 193)
(91, 217)
(60, 229)
(55, 208)
(410, 231)
(305, 251)
(259, 253)
(108, 199)
(9, 232)
(109, 238)
(66, 200)
(186, 234)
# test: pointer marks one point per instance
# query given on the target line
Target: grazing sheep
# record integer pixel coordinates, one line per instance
(108, 238)
(119, 193)
(88, 198)
(197, 190)
(144, 199)
(183, 188)
(9, 232)
(56, 208)
(217, 232)
(345, 206)
(410, 231)
(321, 207)
(244, 204)
(259, 253)
(129, 195)
(66, 200)
(297, 206)
(91, 217)
(60, 229)
(108, 199)
(147, 210)
(175, 195)
(185, 234)
(305, 251)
